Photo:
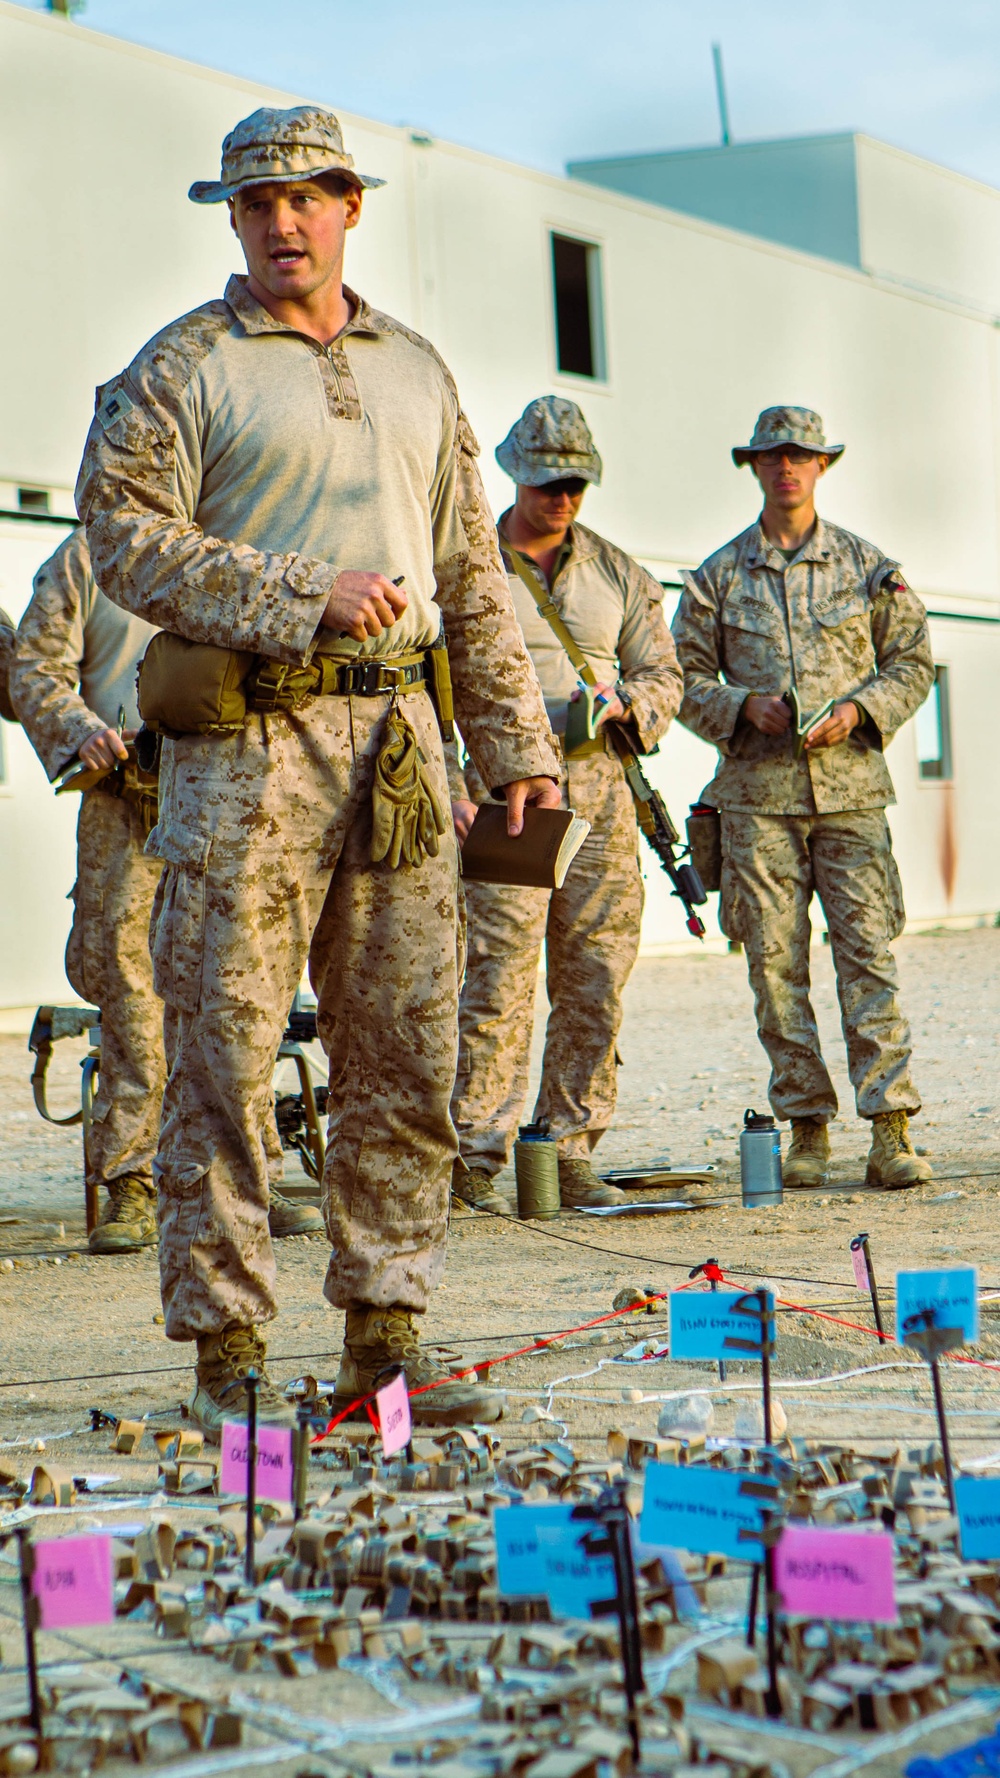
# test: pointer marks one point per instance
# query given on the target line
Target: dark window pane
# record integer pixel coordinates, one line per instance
(574, 323)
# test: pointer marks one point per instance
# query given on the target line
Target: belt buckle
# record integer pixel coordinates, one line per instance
(389, 678)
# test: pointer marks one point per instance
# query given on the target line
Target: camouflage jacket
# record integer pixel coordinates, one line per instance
(613, 610)
(75, 659)
(838, 622)
(237, 467)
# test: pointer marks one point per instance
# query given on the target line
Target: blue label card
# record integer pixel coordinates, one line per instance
(702, 1321)
(538, 1551)
(977, 1502)
(701, 1510)
(951, 1293)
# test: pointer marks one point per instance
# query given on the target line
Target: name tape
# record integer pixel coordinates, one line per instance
(842, 1575)
(73, 1582)
(701, 1324)
(701, 1510)
(274, 1461)
(951, 1294)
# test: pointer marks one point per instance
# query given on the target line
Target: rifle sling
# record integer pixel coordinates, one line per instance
(634, 774)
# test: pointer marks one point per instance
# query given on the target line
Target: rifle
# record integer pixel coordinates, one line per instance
(654, 820)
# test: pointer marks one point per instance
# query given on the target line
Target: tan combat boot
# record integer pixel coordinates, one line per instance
(220, 1387)
(377, 1339)
(808, 1159)
(128, 1220)
(892, 1162)
(286, 1217)
(474, 1187)
(581, 1188)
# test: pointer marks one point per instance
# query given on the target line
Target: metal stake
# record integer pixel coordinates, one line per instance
(29, 1606)
(614, 1536)
(303, 1430)
(250, 1568)
(862, 1242)
(752, 1606)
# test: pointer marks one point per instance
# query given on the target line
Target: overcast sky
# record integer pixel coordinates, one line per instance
(546, 81)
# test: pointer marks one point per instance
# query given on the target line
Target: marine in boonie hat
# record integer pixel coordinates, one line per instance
(787, 426)
(551, 442)
(273, 145)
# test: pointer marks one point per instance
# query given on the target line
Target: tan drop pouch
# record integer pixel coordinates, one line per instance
(191, 688)
(704, 837)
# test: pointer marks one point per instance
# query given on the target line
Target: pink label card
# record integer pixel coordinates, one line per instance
(394, 1416)
(274, 1461)
(72, 1582)
(844, 1575)
(860, 1269)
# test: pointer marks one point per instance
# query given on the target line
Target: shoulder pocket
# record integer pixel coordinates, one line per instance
(124, 416)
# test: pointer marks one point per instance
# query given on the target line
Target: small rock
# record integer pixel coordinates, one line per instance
(692, 1415)
(632, 1395)
(629, 1297)
(6, 1265)
(39, 1445)
(20, 1758)
(750, 1420)
(534, 1413)
(158, 1321)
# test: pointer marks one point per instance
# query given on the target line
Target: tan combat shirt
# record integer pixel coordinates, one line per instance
(75, 659)
(837, 622)
(237, 467)
(613, 610)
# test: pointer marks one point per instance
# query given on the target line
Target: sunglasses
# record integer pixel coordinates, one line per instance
(794, 454)
(571, 485)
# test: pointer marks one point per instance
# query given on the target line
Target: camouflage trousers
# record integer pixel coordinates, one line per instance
(772, 865)
(590, 928)
(107, 962)
(266, 839)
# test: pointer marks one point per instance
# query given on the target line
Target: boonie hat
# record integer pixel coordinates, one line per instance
(549, 443)
(280, 145)
(787, 425)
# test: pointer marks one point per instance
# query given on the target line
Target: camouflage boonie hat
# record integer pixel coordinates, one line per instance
(280, 145)
(787, 425)
(549, 443)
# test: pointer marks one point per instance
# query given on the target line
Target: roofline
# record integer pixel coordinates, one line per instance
(556, 182)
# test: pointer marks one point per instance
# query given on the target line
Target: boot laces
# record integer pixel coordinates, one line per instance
(128, 1200)
(809, 1137)
(895, 1131)
(239, 1350)
(395, 1334)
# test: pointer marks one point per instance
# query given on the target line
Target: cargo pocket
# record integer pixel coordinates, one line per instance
(85, 951)
(177, 925)
(730, 903)
(895, 907)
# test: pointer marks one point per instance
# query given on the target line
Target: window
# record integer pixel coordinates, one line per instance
(934, 730)
(576, 282)
(33, 499)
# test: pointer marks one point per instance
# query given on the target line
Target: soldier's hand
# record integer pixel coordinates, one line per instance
(463, 814)
(363, 604)
(834, 728)
(542, 793)
(771, 715)
(101, 751)
(613, 709)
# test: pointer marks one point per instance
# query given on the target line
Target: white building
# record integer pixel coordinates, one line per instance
(671, 330)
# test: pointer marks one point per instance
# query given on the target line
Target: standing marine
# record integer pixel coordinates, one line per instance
(613, 612)
(804, 651)
(72, 675)
(285, 483)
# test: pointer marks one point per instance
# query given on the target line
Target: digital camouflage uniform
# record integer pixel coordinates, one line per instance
(590, 927)
(837, 621)
(74, 667)
(232, 472)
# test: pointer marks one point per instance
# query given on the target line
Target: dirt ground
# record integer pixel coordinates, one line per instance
(691, 1066)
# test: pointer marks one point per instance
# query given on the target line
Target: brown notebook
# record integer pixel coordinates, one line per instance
(538, 858)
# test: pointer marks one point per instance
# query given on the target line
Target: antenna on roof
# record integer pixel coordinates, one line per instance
(720, 93)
